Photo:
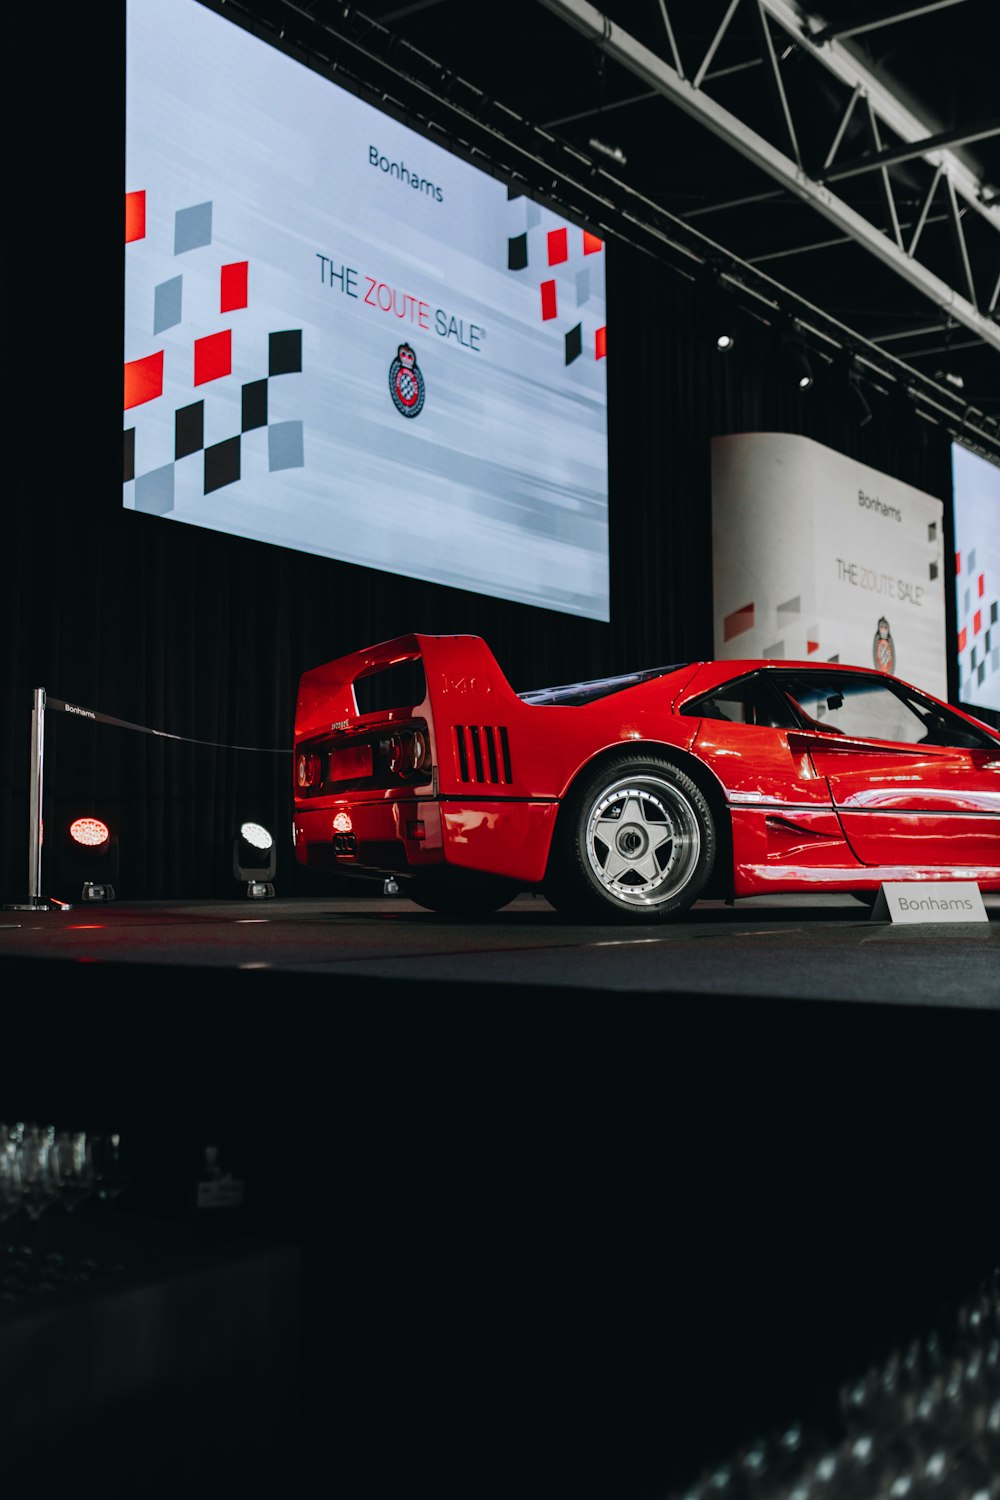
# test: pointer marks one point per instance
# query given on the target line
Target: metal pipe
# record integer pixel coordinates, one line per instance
(35, 796)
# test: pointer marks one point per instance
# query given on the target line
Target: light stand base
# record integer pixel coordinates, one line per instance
(93, 891)
(258, 889)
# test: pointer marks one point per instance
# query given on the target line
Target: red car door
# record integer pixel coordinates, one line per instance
(907, 794)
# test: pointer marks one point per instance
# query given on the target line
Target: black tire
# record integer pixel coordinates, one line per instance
(663, 850)
(470, 895)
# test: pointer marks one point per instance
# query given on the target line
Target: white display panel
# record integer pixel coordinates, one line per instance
(819, 557)
(343, 339)
(976, 491)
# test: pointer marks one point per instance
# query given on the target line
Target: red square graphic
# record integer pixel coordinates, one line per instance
(958, 562)
(591, 244)
(233, 286)
(213, 356)
(143, 379)
(977, 622)
(811, 646)
(548, 300)
(601, 343)
(737, 622)
(962, 639)
(558, 248)
(982, 584)
(135, 217)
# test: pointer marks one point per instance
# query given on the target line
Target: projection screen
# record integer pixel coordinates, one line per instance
(344, 339)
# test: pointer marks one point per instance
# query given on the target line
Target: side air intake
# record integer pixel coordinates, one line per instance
(483, 752)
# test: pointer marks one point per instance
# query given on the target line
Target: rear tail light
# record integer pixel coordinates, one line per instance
(308, 770)
(408, 751)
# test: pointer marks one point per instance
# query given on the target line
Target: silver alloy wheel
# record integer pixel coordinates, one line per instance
(643, 840)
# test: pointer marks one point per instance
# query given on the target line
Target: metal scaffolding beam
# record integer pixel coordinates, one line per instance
(658, 74)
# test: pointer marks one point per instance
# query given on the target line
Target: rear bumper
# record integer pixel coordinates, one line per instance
(417, 835)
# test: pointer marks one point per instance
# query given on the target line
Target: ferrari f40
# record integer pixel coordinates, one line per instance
(636, 795)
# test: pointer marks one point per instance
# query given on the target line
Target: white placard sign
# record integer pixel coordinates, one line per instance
(929, 901)
(817, 557)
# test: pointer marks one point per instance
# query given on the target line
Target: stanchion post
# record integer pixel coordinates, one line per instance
(35, 796)
(36, 901)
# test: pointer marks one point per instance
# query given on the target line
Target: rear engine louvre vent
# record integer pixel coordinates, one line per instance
(483, 754)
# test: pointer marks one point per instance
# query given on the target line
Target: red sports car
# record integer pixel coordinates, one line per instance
(633, 796)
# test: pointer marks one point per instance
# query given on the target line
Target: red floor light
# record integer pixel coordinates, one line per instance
(89, 855)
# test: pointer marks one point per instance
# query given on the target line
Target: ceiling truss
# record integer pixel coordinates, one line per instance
(969, 296)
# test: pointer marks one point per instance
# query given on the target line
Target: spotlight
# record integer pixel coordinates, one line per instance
(89, 855)
(254, 859)
(614, 152)
(725, 342)
(797, 361)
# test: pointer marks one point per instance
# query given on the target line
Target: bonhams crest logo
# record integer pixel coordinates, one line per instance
(884, 647)
(406, 383)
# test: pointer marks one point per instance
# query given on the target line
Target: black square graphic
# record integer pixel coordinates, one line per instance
(933, 570)
(574, 343)
(517, 253)
(222, 464)
(254, 405)
(189, 429)
(129, 455)
(285, 352)
(993, 612)
(514, 192)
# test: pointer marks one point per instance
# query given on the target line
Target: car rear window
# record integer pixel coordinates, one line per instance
(574, 694)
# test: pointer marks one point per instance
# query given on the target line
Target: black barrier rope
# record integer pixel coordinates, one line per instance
(98, 718)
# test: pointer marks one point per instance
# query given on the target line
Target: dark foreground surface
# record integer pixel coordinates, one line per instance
(576, 1212)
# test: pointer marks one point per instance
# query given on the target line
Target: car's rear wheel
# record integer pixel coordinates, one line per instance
(635, 841)
(470, 895)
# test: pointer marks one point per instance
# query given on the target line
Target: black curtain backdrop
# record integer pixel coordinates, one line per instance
(204, 636)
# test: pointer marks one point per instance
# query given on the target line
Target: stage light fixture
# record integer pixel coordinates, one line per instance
(614, 152)
(797, 362)
(863, 409)
(89, 855)
(255, 859)
(725, 342)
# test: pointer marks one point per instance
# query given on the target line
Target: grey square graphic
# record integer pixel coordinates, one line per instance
(532, 214)
(583, 286)
(970, 562)
(192, 227)
(154, 492)
(791, 606)
(167, 304)
(777, 650)
(285, 447)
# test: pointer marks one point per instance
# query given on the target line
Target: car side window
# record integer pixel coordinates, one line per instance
(866, 708)
(750, 700)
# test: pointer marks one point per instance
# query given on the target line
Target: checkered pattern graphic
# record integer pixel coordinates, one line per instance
(978, 628)
(534, 252)
(210, 362)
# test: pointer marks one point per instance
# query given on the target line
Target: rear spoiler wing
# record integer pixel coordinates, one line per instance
(461, 673)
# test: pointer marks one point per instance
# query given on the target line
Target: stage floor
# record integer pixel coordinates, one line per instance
(809, 948)
(582, 1209)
